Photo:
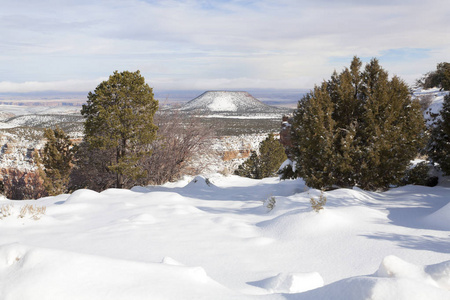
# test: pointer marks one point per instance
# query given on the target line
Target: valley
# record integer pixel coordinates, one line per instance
(234, 133)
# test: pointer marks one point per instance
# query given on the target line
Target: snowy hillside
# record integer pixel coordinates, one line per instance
(435, 95)
(227, 101)
(215, 239)
(40, 120)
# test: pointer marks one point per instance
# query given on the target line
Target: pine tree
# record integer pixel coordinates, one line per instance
(119, 119)
(56, 162)
(439, 144)
(358, 128)
(266, 164)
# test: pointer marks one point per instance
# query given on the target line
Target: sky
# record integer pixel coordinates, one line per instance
(71, 46)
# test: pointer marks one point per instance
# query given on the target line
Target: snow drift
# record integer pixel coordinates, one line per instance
(212, 238)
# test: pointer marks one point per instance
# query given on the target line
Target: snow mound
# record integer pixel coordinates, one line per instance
(39, 273)
(83, 195)
(200, 182)
(439, 219)
(301, 223)
(227, 101)
(291, 282)
(394, 280)
(394, 267)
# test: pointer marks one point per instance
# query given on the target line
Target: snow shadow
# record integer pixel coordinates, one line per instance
(258, 192)
(425, 242)
(410, 210)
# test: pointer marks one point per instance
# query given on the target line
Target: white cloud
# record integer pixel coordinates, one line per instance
(275, 42)
(42, 86)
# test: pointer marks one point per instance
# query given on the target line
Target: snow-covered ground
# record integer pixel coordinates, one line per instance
(437, 97)
(215, 239)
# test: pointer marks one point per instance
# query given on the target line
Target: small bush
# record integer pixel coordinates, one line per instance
(6, 210)
(270, 203)
(419, 175)
(317, 205)
(20, 185)
(35, 212)
(425, 101)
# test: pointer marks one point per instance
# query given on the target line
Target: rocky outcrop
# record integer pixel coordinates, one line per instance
(285, 134)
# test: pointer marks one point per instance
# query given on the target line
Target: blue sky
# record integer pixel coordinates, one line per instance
(67, 45)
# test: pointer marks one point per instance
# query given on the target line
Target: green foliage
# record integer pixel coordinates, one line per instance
(419, 175)
(266, 164)
(439, 78)
(57, 156)
(358, 128)
(439, 144)
(250, 167)
(119, 120)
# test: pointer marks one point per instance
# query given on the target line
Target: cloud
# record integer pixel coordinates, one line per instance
(285, 42)
(37, 86)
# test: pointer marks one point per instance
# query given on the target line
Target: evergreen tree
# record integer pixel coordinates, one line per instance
(57, 156)
(250, 167)
(439, 78)
(266, 164)
(119, 119)
(439, 143)
(358, 128)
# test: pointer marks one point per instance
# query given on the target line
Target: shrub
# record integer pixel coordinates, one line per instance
(270, 203)
(20, 185)
(318, 204)
(419, 175)
(35, 212)
(266, 164)
(6, 210)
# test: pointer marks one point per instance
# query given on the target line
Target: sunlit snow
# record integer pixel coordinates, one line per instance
(212, 238)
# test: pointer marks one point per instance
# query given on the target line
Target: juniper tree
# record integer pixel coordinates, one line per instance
(119, 119)
(266, 164)
(358, 128)
(439, 143)
(56, 161)
(439, 78)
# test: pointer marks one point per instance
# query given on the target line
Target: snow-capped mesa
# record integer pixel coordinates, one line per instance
(227, 101)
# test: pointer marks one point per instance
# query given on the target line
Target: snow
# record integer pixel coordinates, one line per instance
(210, 237)
(437, 102)
(228, 101)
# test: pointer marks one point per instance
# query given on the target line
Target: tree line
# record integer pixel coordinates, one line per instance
(359, 128)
